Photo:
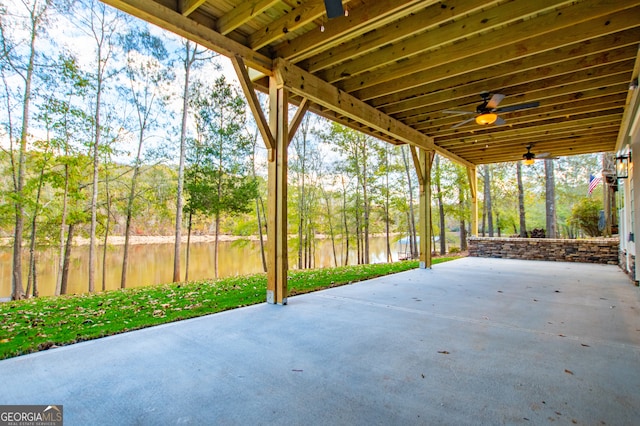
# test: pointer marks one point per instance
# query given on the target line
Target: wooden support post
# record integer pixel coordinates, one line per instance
(422, 161)
(472, 172)
(277, 251)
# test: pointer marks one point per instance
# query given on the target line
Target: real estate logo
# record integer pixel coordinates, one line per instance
(31, 415)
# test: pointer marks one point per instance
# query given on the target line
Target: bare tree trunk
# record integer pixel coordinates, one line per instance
(131, 198)
(412, 217)
(107, 229)
(301, 212)
(216, 246)
(19, 181)
(487, 198)
(186, 266)
(443, 235)
(31, 278)
(387, 219)
(188, 62)
(358, 229)
(463, 225)
(331, 232)
(67, 260)
(63, 225)
(523, 223)
(550, 199)
(346, 227)
(366, 207)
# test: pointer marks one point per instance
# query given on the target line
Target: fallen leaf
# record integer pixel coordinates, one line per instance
(568, 371)
(586, 346)
(562, 335)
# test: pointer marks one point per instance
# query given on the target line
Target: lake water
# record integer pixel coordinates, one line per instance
(153, 263)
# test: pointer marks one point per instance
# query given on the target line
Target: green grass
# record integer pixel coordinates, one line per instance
(42, 323)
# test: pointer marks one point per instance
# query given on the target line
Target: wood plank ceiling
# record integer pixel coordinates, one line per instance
(411, 60)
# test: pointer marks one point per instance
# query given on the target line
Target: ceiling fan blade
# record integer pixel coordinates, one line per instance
(546, 156)
(518, 107)
(453, 111)
(334, 8)
(495, 100)
(463, 122)
(499, 122)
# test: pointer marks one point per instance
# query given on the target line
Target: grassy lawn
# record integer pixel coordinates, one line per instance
(39, 324)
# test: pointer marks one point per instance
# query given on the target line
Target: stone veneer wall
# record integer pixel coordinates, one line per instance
(600, 250)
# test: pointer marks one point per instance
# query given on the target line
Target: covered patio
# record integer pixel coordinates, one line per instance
(472, 341)
(477, 81)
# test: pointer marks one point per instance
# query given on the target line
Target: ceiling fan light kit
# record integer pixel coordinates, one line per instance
(487, 112)
(487, 118)
(528, 158)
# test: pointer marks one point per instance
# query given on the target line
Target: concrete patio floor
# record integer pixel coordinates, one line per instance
(473, 341)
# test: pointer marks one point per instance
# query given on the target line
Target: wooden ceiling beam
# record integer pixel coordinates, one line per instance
(241, 14)
(532, 139)
(392, 32)
(542, 130)
(187, 7)
(306, 85)
(585, 122)
(562, 148)
(540, 90)
(173, 21)
(362, 19)
(299, 16)
(504, 84)
(443, 75)
(434, 35)
(477, 54)
(527, 116)
(556, 148)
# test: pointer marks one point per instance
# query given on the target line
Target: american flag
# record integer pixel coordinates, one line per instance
(593, 182)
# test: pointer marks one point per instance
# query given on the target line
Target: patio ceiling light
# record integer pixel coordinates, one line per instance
(486, 118)
(622, 166)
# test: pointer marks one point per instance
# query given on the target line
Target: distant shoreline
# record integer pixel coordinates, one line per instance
(118, 240)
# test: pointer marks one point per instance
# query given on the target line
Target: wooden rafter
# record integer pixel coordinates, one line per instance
(296, 18)
(360, 21)
(390, 68)
(187, 7)
(241, 14)
(500, 51)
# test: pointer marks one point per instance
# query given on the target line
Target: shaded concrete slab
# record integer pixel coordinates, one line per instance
(474, 341)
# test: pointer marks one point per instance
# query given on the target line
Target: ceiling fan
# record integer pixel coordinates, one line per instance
(334, 8)
(529, 157)
(487, 111)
